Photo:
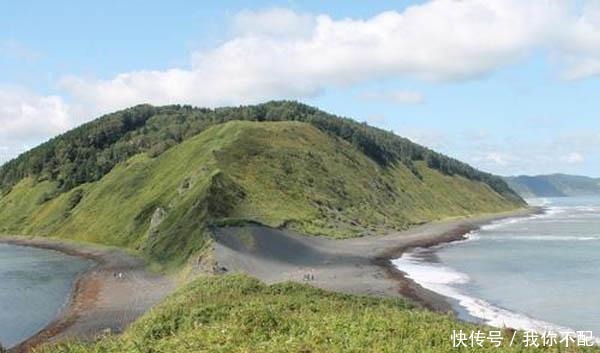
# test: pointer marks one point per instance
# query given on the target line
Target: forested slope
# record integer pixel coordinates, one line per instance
(156, 180)
(89, 152)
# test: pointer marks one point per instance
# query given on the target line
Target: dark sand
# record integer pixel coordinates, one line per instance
(103, 304)
(356, 266)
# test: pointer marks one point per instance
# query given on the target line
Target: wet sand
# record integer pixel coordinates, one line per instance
(356, 266)
(101, 302)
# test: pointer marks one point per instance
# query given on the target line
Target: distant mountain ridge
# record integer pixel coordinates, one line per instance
(554, 185)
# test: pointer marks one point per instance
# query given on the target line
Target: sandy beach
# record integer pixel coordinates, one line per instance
(102, 303)
(356, 266)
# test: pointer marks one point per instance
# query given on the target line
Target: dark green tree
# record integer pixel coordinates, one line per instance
(90, 151)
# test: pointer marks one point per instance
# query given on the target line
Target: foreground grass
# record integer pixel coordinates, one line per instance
(236, 313)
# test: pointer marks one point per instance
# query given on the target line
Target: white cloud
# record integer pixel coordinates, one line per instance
(573, 158)
(279, 53)
(277, 22)
(579, 44)
(27, 118)
(398, 97)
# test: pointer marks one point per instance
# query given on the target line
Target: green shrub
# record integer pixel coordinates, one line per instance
(74, 199)
(236, 313)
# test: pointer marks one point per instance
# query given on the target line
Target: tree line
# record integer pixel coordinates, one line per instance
(87, 153)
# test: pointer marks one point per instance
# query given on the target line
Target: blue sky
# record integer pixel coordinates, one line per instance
(508, 86)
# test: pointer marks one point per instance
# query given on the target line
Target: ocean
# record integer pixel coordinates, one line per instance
(35, 285)
(537, 273)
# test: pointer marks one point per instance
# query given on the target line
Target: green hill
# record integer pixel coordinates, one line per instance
(156, 180)
(554, 185)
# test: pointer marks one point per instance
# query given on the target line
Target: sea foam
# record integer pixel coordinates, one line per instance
(447, 281)
(444, 280)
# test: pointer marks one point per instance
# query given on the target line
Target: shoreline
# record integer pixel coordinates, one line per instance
(96, 294)
(423, 296)
(357, 266)
(66, 315)
(409, 288)
(512, 320)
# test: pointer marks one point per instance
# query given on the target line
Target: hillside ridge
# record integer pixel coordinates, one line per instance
(87, 153)
(281, 174)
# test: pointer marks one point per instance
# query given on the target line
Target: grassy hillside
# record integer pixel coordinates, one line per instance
(240, 314)
(276, 173)
(89, 152)
(158, 180)
(554, 185)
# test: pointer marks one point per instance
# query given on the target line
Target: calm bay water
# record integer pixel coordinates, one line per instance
(35, 285)
(540, 272)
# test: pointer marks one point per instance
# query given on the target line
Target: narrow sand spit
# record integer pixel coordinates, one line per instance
(101, 301)
(356, 266)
